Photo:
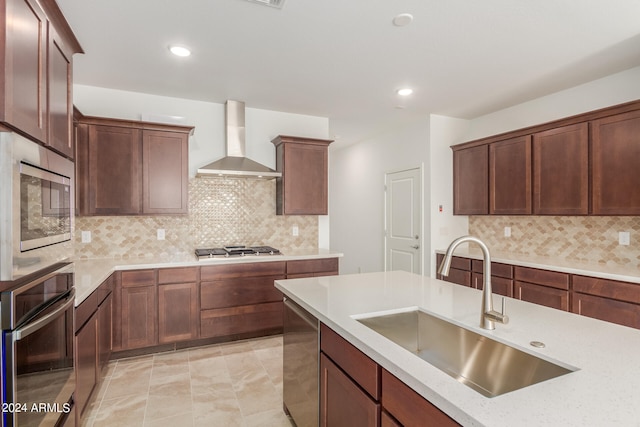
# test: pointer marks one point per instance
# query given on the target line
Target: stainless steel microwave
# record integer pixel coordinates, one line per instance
(36, 207)
(45, 207)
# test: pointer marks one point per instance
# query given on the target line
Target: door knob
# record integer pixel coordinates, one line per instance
(415, 247)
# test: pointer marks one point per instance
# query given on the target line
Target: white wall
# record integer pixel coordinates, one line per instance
(611, 90)
(356, 192)
(207, 143)
(445, 227)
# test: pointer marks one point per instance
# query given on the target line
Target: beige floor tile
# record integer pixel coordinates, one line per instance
(180, 420)
(271, 418)
(122, 412)
(234, 384)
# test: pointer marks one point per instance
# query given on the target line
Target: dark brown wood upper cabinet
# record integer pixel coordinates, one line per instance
(510, 176)
(114, 173)
(561, 171)
(36, 83)
(471, 181)
(615, 164)
(304, 164)
(24, 68)
(165, 172)
(131, 168)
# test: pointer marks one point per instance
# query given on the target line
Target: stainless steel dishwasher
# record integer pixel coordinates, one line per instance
(301, 348)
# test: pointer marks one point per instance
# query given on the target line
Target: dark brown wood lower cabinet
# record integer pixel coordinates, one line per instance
(342, 402)
(408, 407)
(387, 420)
(177, 312)
(105, 331)
(246, 319)
(543, 295)
(86, 359)
(139, 316)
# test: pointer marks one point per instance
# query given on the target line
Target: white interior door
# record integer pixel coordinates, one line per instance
(403, 221)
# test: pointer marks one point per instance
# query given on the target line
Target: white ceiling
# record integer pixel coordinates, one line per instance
(344, 59)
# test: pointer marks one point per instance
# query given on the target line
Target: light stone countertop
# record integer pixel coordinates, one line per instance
(603, 271)
(90, 273)
(604, 391)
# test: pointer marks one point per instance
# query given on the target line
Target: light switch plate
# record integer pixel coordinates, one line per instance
(507, 232)
(295, 231)
(86, 237)
(624, 238)
(160, 233)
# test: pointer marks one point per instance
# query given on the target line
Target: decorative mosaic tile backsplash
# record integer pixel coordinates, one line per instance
(222, 212)
(575, 238)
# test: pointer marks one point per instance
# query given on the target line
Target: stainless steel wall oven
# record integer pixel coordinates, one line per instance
(38, 378)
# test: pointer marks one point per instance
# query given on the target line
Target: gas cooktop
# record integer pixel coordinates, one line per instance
(236, 251)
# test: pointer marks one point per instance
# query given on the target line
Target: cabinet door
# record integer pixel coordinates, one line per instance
(115, 177)
(408, 407)
(342, 402)
(471, 181)
(561, 171)
(24, 104)
(139, 316)
(616, 156)
(543, 295)
(510, 176)
(165, 172)
(305, 178)
(86, 361)
(177, 312)
(303, 187)
(105, 332)
(60, 136)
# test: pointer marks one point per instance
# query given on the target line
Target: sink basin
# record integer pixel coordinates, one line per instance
(487, 366)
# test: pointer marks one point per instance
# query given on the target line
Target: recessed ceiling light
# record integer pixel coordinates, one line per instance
(272, 3)
(404, 91)
(179, 50)
(402, 19)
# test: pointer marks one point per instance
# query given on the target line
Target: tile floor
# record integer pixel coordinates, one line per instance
(235, 384)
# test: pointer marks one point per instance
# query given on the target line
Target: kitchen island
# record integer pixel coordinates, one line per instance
(603, 390)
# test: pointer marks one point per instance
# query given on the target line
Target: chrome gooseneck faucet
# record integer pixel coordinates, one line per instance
(488, 316)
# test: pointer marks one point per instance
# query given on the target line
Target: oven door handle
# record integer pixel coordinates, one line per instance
(32, 327)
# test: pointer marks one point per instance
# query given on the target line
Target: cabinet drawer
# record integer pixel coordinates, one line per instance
(542, 277)
(134, 278)
(355, 363)
(499, 285)
(178, 275)
(312, 266)
(497, 268)
(241, 320)
(106, 288)
(239, 291)
(543, 295)
(623, 291)
(408, 407)
(226, 271)
(459, 277)
(456, 262)
(85, 310)
(622, 313)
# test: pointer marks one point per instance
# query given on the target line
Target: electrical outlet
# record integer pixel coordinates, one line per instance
(86, 237)
(295, 231)
(507, 232)
(623, 238)
(160, 233)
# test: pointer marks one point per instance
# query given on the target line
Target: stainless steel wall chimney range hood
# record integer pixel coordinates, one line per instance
(235, 164)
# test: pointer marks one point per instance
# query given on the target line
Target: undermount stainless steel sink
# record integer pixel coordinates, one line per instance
(481, 363)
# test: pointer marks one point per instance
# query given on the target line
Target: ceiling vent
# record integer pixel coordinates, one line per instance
(273, 3)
